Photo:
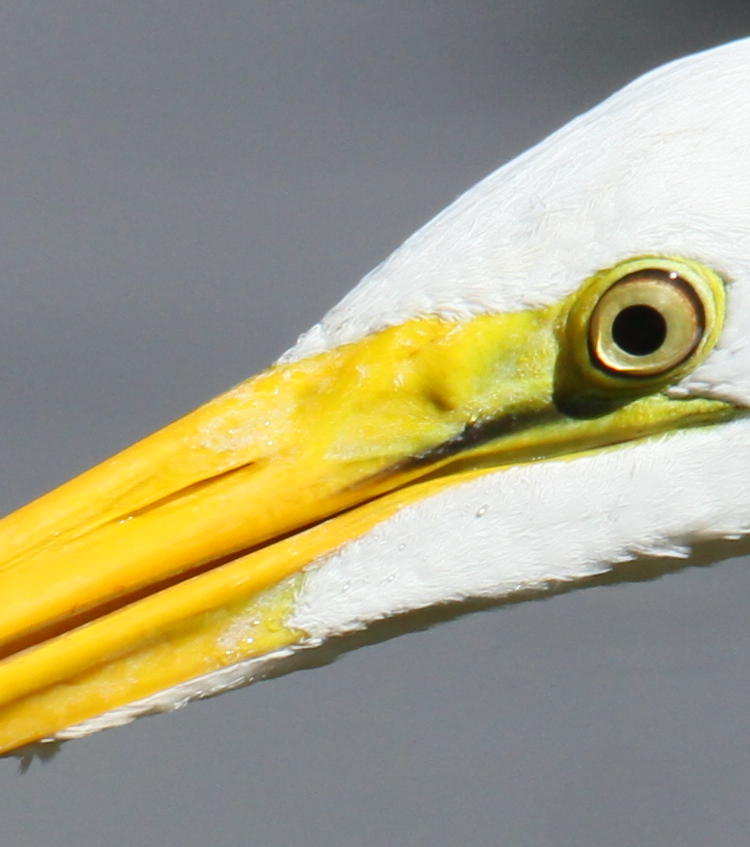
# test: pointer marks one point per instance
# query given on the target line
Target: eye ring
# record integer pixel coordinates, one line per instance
(640, 324)
(645, 324)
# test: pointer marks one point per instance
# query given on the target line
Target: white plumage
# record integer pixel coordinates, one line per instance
(658, 169)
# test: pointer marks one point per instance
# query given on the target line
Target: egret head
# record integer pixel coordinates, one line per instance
(548, 380)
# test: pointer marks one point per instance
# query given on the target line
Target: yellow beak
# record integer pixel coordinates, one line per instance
(182, 555)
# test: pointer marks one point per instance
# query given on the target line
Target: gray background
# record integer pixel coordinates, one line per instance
(186, 186)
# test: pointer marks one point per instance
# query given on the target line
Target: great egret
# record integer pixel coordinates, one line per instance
(550, 378)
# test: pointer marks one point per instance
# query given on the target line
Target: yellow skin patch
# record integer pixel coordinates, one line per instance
(156, 566)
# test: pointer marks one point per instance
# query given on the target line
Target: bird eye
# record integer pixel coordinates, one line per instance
(642, 323)
(646, 323)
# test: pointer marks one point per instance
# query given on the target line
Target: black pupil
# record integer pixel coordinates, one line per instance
(639, 330)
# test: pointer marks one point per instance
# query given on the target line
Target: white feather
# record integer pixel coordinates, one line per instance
(660, 167)
(536, 525)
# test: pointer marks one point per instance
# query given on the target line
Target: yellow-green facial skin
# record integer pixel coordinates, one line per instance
(529, 387)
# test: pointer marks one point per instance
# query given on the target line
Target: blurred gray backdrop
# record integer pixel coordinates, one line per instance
(184, 187)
